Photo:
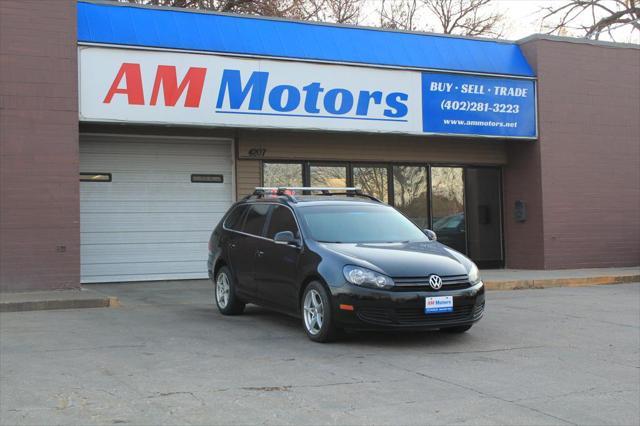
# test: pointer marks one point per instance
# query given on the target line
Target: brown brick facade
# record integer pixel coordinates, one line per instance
(39, 208)
(581, 180)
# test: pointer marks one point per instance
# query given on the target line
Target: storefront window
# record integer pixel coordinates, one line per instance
(282, 174)
(328, 176)
(410, 193)
(447, 198)
(372, 180)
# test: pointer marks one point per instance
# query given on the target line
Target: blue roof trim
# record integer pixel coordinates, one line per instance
(175, 29)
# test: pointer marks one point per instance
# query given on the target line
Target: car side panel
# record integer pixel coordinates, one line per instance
(276, 274)
(241, 250)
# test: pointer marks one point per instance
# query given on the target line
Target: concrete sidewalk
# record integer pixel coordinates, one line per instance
(55, 299)
(109, 295)
(517, 279)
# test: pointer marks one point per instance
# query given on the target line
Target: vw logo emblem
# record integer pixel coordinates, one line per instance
(435, 282)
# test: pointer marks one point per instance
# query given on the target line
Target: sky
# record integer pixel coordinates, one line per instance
(523, 18)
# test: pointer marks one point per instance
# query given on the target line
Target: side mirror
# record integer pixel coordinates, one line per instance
(286, 238)
(430, 234)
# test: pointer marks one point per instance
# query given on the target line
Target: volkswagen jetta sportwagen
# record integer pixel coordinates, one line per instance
(340, 261)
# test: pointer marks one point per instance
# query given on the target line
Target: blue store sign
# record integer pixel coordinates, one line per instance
(478, 106)
(125, 85)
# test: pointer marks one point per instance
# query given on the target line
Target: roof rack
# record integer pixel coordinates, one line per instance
(286, 191)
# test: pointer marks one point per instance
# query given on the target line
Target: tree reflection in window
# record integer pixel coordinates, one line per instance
(282, 174)
(329, 176)
(410, 193)
(373, 181)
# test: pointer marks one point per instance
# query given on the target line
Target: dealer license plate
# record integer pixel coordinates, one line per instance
(439, 304)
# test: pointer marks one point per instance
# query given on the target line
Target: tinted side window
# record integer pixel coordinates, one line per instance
(281, 220)
(256, 217)
(234, 220)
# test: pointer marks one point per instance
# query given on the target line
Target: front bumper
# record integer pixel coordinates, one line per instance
(395, 310)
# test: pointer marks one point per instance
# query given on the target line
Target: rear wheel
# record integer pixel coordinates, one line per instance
(317, 315)
(457, 330)
(226, 299)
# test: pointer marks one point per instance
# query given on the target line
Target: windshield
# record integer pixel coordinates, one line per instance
(359, 224)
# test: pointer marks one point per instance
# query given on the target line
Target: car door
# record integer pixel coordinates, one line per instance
(277, 264)
(245, 245)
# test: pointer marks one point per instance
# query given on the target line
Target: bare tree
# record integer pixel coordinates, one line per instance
(467, 17)
(340, 11)
(592, 18)
(461, 17)
(296, 9)
(399, 14)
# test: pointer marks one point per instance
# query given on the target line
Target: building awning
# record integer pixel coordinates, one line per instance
(165, 28)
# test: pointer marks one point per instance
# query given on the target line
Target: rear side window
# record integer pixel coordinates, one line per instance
(256, 218)
(281, 220)
(234, 220)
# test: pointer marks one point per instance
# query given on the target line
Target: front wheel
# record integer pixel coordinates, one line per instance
(317, 315)
(226, 299)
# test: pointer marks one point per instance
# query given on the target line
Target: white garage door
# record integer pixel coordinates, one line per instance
(151, 222)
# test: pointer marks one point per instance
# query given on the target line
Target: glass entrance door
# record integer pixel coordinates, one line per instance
(410, 193)
(447, 207)
(484, 221)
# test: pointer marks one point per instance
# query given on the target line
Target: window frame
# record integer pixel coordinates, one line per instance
(295, 220)
(109, 177)
(266, 219)
(267, 222)
(306, 179)
(241, 219)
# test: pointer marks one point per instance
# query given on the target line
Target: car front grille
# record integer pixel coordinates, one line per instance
(416, 316)
(450, 282)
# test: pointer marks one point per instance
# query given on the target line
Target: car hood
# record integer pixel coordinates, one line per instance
(414, 259)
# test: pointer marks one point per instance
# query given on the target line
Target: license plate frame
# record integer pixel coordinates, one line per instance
(438, 305)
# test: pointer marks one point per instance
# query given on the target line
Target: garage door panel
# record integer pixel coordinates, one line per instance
(166, 177)
(141, 268)
(171, 221)
(142, 237)
(142, 272)
(141, 145)
(151, 206)
(124, 163)
(143, 277)
(134, 253)
(154, 191)
(150, 222)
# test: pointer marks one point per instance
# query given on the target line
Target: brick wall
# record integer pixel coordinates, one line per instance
(39, 208)
(586, 163)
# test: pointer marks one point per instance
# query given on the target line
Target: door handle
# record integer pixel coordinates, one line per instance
(259, 253)
(232, 245)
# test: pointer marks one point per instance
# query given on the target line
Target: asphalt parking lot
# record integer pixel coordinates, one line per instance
(553, 356)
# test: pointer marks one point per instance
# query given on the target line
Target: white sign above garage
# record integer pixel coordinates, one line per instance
(128, 85)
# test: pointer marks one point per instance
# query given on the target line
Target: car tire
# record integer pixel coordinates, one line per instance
(225, 293)
(317, 313)
(457, 330)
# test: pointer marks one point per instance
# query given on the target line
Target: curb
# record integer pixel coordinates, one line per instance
(45, 305)
(559, 282)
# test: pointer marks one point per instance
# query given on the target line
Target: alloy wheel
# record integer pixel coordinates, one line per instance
(313, 312)
(222, 290)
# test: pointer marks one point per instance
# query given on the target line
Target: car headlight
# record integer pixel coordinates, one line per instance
(366, 277)
(474, 274)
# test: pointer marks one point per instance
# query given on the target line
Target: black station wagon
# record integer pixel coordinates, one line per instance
(340, 260)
